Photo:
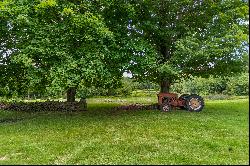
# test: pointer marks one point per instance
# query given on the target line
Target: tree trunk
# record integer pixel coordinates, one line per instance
(165, 85)
(166, 55)
(71, 93)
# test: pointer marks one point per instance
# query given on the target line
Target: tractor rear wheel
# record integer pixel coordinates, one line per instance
(194, 103)
(166, 107)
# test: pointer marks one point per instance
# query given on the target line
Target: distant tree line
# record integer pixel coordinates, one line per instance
(237, 85)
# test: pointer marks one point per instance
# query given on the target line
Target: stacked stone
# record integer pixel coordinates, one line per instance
(45, 106)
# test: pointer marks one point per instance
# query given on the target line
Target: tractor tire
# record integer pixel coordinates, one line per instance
(183, 97)
(194, 103)
(165, 107)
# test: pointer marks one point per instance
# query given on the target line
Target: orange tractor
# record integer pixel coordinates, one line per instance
(191, 102)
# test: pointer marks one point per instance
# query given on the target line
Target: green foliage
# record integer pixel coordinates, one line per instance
(145, 92)
(51, 45)
(237, 85)
(56, 44)
(219, 54)
(172, 40)
(126, 87)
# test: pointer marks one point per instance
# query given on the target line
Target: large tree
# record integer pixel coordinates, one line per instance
(172, 39)
(62, 44)
(57, 44)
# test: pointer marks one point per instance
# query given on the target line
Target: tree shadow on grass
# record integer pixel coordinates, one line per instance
(94, 111)
(11, 120)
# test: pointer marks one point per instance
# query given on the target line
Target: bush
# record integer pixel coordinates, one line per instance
(238, 85)
(141, 93)
(218, 97)
(235, 85)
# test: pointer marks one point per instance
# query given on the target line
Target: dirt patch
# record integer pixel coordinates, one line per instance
(134, 107)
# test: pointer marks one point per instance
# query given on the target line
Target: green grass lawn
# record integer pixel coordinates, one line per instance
(217, 135)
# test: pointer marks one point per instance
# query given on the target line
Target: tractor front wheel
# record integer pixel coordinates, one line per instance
(166, 107)
(194, 103)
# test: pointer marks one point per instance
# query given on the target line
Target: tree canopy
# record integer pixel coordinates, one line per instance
(176, 39)
(58, 43)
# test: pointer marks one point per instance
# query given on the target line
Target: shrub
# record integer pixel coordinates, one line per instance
(238, 85)
(235, 85)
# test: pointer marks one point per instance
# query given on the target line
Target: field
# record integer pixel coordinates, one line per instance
(217, 135)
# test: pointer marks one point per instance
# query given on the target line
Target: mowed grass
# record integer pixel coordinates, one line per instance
(217, 135)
